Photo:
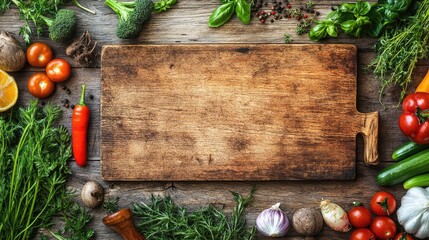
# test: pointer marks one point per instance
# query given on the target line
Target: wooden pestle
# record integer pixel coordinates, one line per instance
(122, 222)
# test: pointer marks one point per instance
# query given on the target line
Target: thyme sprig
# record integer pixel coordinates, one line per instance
(162, 219)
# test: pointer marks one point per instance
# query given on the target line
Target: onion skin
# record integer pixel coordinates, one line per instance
(12, 57)
(335, 217)
(273, 222)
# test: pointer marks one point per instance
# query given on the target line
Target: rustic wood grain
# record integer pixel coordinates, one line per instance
(231, 112)
(186, 23)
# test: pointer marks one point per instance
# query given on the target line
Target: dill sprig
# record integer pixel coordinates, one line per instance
(161, 219)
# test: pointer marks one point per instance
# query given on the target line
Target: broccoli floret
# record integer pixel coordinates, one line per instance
(63, 26)
(131, 15)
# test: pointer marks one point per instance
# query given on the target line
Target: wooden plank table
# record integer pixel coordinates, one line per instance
(185, 23)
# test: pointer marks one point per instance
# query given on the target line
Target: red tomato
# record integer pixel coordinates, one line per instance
(58, 70)
(403, 236)
(383, 227)
(40, 86)
(362, 234)
(39, 54)
(360, 216)
(383, 203)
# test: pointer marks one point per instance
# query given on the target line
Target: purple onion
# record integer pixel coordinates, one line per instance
(272, 222)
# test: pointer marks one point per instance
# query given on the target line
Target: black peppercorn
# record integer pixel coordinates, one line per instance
(91, 97)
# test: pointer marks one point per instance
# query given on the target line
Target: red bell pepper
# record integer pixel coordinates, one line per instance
(80, 121)
(414, 120)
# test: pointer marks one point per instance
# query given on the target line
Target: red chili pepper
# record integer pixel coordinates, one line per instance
(80, 120)
(414, 120)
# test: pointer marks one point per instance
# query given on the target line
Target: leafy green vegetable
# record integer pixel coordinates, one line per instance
(161, 219)
(76, 220)
(360, 17)
(163, 5)
(33, 166)
(224, 12)
(242, 10)
(400, 48)
(37, 12)
(111, 205)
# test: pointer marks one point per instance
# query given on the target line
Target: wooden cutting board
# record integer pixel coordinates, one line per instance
(232, 112)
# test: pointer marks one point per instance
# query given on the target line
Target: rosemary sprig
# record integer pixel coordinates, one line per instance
(161, 219)
(111, 205)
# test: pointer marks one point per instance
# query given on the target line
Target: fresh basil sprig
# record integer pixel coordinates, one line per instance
(225, 11)
(359, 18)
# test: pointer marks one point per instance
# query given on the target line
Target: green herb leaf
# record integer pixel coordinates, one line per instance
(362, 8)
(332, 30)
(349, 26)
(242, 10)
(221, 14)
(163, 5)
(347, 7)
(156, 220)
(318, 32)
(376, 23)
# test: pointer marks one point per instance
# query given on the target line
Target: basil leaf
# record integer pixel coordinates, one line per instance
(332, 30)
(318, 32)
(347, 7)
(362, 8)
(376, 20)
(243, 11)
(221, 14)
(339, 17)
(398, 5)
(348, 26)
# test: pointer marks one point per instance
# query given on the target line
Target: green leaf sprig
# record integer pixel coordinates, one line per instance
(360, 17)
(162, 219)
(224, 12)
(163, 5)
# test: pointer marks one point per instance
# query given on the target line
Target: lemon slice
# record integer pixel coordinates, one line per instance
(8, 91)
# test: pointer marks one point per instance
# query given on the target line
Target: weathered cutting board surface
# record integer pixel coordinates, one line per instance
(232, 112)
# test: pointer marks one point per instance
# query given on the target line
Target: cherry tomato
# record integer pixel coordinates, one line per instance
(383, 203)
(58, 70)
(39, 54)
(40, 86)
(403, 236)
(360, 216)
(383, 227)
(362, 234)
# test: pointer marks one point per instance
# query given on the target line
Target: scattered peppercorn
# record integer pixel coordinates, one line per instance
(262, 20)
(91, 97)
(66, 105)
(64, 88)
(72, 106)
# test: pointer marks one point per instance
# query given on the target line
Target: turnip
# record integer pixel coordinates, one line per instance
(12, 57)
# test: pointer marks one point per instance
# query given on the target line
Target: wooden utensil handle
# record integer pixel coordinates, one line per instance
(122, 222)
(370, 138)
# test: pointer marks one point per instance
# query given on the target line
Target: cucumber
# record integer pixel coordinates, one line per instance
(407, 168)
(417, 181)
(408, 149)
